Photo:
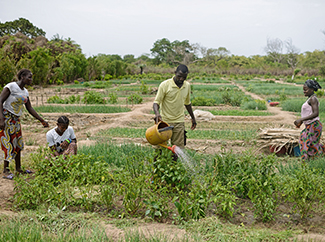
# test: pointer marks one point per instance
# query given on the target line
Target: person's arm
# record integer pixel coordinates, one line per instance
(157, 114)
(31, 110)
(158, 100)
(313, 102)
(190, 111)
(51, 143)
(53, 149)
(3, 97)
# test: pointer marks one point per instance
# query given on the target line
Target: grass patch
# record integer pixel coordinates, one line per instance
(246, 135)
(213, 87)
(267, 88)
(45, 227)
(212, 125)
(294, 104)
(81, 109)
(209, 80)
(212, 229)
(240, 113)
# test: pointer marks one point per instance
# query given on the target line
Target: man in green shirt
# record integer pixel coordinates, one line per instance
(172, 95)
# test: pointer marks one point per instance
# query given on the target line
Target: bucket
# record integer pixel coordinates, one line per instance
(296, 151)
(275, 150)
(159, 133)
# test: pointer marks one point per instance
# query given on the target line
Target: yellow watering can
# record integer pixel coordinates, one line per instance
(159, 133)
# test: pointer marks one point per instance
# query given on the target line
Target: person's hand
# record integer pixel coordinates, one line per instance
(193, 124)
(45, 124)
(64, 145)
(158, 118)
(298, 123)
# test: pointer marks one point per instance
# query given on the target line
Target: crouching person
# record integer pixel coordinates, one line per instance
(61, 139)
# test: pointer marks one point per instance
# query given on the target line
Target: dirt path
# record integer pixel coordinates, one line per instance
(280, 116)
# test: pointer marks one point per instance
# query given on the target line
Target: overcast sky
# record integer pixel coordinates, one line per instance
(132, 26)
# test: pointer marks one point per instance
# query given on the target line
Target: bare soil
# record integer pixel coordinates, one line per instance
(86, 125)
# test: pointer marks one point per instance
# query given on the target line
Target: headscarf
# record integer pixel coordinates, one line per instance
(313, 84)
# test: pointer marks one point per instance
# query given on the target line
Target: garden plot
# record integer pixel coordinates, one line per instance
(222, 134)
(101, 124)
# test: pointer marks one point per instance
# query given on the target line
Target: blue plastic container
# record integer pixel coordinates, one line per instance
(296, 151)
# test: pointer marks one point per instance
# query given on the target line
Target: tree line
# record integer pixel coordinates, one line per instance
(59, 60)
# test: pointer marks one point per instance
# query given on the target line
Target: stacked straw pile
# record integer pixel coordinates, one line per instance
(277, 138)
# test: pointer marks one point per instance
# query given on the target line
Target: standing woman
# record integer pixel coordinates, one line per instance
(12, 98)
(310, 136)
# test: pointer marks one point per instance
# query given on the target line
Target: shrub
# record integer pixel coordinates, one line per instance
(254, 105)
(303, 189)
(202, 101)
(135, 99)
(59, 82)
(108, 77)
(92, 97)
(167, 171)
(322, 71)
(112, 97)
(55, 99)
(144, 88)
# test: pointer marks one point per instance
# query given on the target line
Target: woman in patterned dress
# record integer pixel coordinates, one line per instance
(12, 98)
(309, 140)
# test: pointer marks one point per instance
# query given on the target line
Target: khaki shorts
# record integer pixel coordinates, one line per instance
(178, 134)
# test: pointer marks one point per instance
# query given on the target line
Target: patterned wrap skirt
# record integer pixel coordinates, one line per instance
(11, 137)
(309, 140)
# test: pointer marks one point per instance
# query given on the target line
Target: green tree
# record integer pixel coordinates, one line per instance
(183, 52)
(313, 59)
(93, 68)
(72, 65)
(40, 62)
(161, 50)
(7, 69)
(21, 25)
(215, 55)
(175, 52)
(129, 59)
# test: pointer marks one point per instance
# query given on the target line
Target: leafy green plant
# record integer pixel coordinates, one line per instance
(156, 204)
(168, 171)
(112, 97)
(60, 181)
(133, 191)
(254, 105)
(263, 189)
(135, 99)
(303, 189)
(92, 97)
(59, 82)
(108, 195)
(223, 199)
(191, 205)
(144, 88)
(55, 99)
(202, 101)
